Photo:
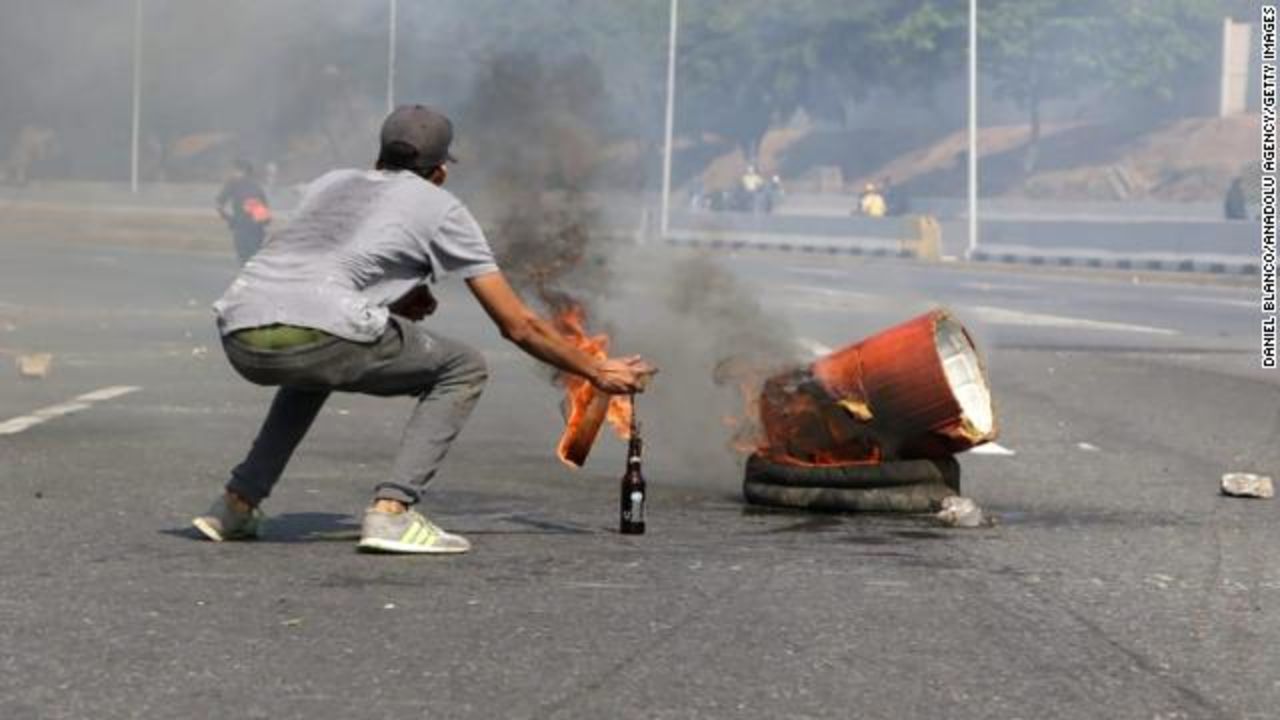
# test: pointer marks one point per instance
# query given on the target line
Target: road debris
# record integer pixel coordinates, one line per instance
(1247, 485)
(35, 366)
(960, 511)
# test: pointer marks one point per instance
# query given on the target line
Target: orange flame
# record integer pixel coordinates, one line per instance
(788, 418)
(581, 405)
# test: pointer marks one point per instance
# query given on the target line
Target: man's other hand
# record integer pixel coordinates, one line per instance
(619, 376)
(415, 304)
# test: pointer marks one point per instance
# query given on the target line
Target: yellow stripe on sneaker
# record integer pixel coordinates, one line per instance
(409, 535)
(419, 534)
(428, 535)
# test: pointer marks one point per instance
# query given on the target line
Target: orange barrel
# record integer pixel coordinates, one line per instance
(916, 390)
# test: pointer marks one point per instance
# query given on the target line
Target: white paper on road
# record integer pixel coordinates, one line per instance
(993, 449)
(813, 346)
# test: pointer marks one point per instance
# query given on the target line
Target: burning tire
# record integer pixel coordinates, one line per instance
(906, 486)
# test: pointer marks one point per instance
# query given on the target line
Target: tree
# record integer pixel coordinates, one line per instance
(747, 65)
(1152, 43)
(1037, 50)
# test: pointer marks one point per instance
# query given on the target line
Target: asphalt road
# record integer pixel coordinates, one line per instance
(1117, 584)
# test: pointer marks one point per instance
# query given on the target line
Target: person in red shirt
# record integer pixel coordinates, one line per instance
(242, 203)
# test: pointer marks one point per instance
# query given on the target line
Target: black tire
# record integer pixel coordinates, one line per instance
(892, 473)
(907, 486)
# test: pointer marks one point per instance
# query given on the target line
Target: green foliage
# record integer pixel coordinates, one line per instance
(1153, 42)
(748, 64)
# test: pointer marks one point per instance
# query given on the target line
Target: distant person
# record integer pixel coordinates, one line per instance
(242, 203)
(751, 190)
(774, 193)
(270, 173)
(872, 203)
(33, 145)
(335, 302)
(895, 198)
(1234, 205)
(697, 194)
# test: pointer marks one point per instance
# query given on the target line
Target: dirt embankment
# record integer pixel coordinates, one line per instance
(1188, 160)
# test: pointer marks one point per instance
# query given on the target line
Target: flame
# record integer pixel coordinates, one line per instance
(571, 320)
(788, 416)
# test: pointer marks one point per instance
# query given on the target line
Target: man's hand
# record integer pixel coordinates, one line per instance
(540, 339)
(620, 376)
(415, 304)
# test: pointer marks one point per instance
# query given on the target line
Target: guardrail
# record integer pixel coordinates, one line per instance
(1215, 246)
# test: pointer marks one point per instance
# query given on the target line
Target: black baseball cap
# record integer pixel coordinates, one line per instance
(417, 135)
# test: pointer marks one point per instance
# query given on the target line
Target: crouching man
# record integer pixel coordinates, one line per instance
(333, 302)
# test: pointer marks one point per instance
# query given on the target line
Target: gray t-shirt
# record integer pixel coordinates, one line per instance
(358, 241)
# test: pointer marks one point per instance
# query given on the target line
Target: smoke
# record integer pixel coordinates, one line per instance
(715, 343)
(534, 131)
(254, 72)
(537, 162)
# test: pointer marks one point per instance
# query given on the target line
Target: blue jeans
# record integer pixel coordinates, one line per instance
(446, 376)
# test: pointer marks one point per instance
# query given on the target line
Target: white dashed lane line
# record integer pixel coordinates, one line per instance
(78, 404)
(1004, 316)
(1223, 301)
(834, 300)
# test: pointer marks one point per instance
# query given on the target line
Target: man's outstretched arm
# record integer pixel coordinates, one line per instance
(537, 337)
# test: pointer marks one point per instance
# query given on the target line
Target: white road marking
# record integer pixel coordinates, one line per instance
(832, 300)
(993, 449)
(997, 287)
(1003, 316)
(836, 293)
(820, 272)
(83, 402)
(107, 393)
(1229, 302)
(1088, 447)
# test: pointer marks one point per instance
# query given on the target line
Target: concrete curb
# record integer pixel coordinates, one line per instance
(895, 249)
(875, 249)
(1186, 264)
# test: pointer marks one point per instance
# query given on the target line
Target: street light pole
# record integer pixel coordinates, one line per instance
(973, 130)
(391, 56)
(137, 95)
(671, 113)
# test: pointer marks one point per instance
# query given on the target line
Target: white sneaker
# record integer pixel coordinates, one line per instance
(407, 532)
